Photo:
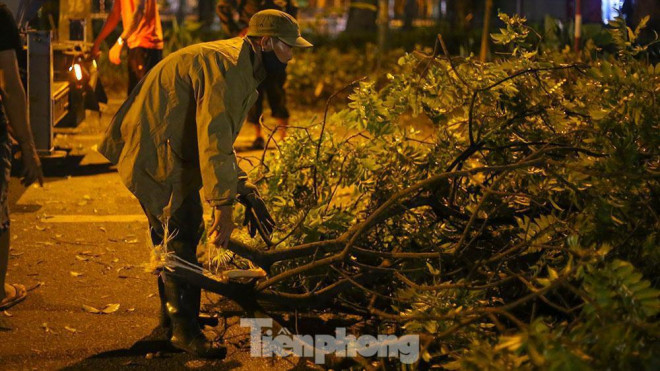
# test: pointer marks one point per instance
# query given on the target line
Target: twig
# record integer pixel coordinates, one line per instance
(451, 63)
(325, 117)
(362, 287)
(499, 82)
(447, 286)
(356, 231)
(78, 243)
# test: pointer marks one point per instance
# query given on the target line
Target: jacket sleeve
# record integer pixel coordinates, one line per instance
(242, 187)
(217, 160)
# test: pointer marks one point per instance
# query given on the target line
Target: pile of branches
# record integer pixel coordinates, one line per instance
(507, 211)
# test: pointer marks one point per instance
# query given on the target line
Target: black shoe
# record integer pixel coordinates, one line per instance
(166, 323)
(200, 346)
(182, 305)
(258, 143)
(164, 319)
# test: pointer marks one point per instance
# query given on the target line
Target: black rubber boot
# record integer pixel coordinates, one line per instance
(163, 317)
(179, 300)
(182, 309)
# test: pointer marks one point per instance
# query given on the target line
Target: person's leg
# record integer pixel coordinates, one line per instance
(5, 170)
(4, 263)
(156, 234)
(152, 57)
(254, 116)
(136, 62)
(9, 294)
(182, 300)
(177, 226)
(132, 79)
(277, 99)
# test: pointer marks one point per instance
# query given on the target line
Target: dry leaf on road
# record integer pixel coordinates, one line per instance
(108, 309)
(70, 329)
(90, 309)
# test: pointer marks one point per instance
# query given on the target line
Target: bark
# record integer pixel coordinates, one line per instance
(383, 26)
(409, 12)
(485, 34)
(206, 11)
(362, 16)
(181, 12)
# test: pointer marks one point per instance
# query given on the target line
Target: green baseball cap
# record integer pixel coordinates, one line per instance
(274, 23)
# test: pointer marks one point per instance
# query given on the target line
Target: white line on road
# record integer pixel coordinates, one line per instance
(131, 218)
(95, 218)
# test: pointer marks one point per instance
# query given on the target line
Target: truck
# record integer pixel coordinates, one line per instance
(60, 77)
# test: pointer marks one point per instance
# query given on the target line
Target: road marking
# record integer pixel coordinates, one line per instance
(131, 218)
(95, 218)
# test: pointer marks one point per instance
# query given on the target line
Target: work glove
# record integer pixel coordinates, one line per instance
(257, 218)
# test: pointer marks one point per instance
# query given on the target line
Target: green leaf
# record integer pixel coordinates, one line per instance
(433, 271)
(631, 35)
(511, 343)
(642, 24)
(598, 113)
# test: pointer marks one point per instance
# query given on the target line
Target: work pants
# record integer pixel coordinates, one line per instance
(273, 88)
(140, 61)
(5, 170)
(185, 226)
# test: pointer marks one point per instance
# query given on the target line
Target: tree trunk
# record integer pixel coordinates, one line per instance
(520, 10)
(181, 12)
(578, 26)
(409, 11)
(206, 11)
(485, 34)
(461, 13)
(362, 16)
(383, 26)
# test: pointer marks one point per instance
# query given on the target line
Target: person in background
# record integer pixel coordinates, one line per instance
(175, 134)
(12, 101)
(142, 34)
(273, 86)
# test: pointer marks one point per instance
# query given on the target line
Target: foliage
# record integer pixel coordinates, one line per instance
(506, 211)
(333, 63)
(314, 75)
(114, 77)
(179, 36)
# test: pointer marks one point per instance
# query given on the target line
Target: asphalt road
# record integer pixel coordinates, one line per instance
(80, 241)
